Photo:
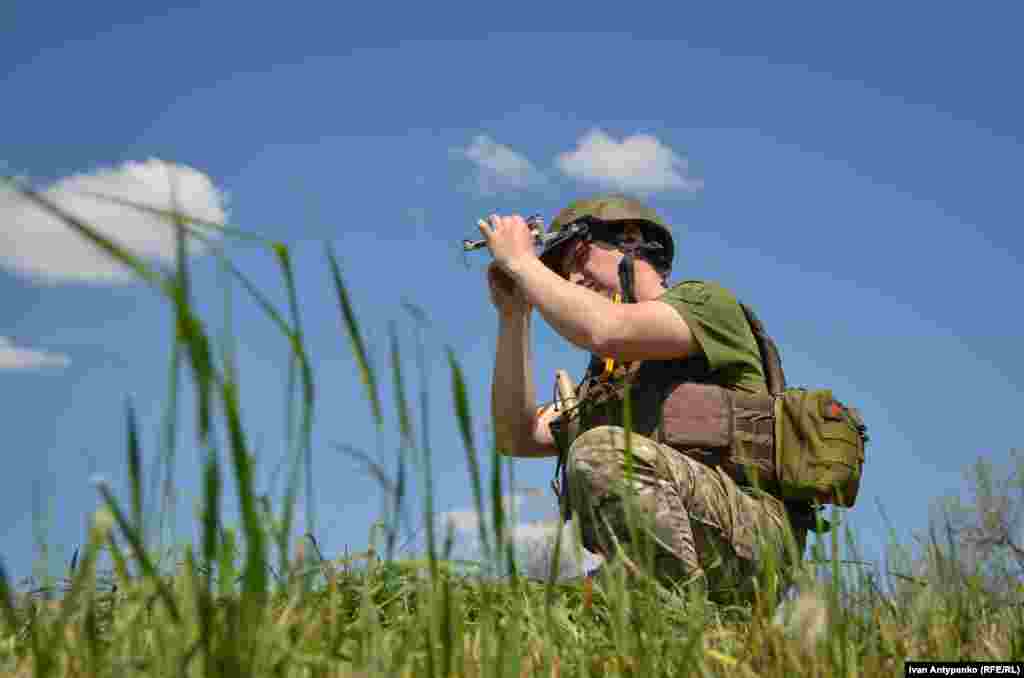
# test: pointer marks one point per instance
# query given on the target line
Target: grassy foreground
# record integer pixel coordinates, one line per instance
(247, 602)
(388, 619)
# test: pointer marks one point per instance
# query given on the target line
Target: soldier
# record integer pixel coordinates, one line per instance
(700, 524)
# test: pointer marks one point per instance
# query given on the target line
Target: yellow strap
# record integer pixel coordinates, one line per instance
(609, 363)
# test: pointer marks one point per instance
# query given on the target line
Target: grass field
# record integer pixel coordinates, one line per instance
(246, 600)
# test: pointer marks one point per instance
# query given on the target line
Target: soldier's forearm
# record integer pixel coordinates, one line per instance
(580, 315)
(513, 395)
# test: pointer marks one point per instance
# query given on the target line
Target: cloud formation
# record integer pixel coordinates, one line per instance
(534, 540)
(462, 520)
(468, 520)
(38, 245)
(637, 164)
(499, 168)
(15, 358)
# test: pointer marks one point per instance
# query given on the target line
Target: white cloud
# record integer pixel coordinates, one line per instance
(534, 541)
(37, 244)
(637, 164)
(468, 520)
(539, 530)
(15, 358)
(462, 520)
(499, 168)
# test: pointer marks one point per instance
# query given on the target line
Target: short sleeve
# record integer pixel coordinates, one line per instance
(719, 325)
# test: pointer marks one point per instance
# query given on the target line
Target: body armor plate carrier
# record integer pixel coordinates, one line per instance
(800, 445)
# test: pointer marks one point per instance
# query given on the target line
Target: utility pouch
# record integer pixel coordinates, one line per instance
(819, 447)
(800, 445)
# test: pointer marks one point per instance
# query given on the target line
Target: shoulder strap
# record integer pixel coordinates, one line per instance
(770, 358)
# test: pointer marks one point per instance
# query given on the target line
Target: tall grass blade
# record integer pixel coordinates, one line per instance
(261, 299)
(227, 575)
(211, 531)
(191, 222)
(254, 576)
(189, 327)
(41, 652)
(308, 389)
(204, 607)
(308, 398)
(356, 339)
(139, 551)
(298, 355)
(183, 278)
(211, 509)
(255, 582)
(289, 404)
(498, 516)
(39, 518)
(397, 506)
(83, 578)
(465, 421)
(549, 589)
(192, 336)
(121, 572)
(7, 606)
(170, 437)
(839, 631)
(228, 346)
(419, 316)
(428, 472)
(510, 546)
(372, 467)
(447, 632)
(152, 508)
(408, 441)
(401, 401)
(292, 488)
(134, 468)
(106, 244)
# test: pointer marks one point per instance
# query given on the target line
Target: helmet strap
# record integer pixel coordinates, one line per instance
(631, 250)
(627, 277)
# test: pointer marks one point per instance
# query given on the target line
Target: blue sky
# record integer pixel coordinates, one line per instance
(851, 174)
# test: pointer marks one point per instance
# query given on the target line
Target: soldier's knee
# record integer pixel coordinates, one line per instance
(594, 445)
(590, 452)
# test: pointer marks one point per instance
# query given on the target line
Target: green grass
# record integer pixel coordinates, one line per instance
(244, 601)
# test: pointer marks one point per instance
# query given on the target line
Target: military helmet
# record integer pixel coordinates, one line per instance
(605, 215)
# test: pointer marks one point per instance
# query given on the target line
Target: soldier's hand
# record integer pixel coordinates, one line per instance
(506, 295)
(509, 239)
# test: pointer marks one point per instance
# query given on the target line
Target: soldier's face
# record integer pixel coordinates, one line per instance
(594, 265)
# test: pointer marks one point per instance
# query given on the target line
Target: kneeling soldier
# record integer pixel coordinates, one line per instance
(703, 521)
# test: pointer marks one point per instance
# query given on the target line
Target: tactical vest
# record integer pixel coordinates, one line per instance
(802, 446)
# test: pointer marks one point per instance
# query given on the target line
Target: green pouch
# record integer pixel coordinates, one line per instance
(819, 447)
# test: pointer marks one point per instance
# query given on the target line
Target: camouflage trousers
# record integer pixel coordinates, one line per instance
(703, 527)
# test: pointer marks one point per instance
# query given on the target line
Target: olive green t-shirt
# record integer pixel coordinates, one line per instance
(720, 327)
